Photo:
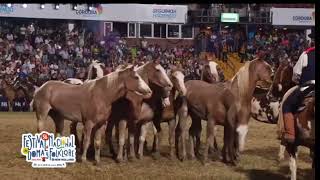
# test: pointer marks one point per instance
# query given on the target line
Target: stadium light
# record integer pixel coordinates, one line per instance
(90, 7)
(42, 6)
(74, 7)
(56, 6)
(24, 5)
(9, 5)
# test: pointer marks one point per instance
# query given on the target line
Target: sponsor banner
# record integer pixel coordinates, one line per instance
(44, 150)
(293, 16)
(103, 12)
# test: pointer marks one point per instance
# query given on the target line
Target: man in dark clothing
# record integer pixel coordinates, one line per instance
(304, 75)
(4, 103)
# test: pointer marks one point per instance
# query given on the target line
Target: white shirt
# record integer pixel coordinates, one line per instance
(38, 40)
(10, 37)
(301, 63)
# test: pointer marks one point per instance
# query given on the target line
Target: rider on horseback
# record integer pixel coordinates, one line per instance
(304, 76)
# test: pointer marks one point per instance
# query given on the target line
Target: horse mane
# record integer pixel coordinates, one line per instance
(112, 79)
(242, 79)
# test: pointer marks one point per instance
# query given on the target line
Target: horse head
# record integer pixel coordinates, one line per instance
(282, 80)
(155, 74)
(210, 72)
(177, 78)
(133, 82)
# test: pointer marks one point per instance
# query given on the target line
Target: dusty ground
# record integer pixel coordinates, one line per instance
(257, 162)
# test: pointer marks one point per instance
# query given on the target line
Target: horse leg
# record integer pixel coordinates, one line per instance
(73, 130)
(108, 137)
(156, 142)
(142, 139)
(195, 134)
(210, 138)
(183, 115)
(281, 152)
(172, 127)
(86, 139)
(292, 149)
(97, 143)
(58, 121)
(132, 139)
(42, 114)
(122, 134)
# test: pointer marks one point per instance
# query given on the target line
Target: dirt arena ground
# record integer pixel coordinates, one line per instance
(258, 161)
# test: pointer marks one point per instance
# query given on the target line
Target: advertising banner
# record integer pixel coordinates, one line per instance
(104, 12)
(293, 16)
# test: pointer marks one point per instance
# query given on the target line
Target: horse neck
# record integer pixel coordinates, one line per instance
(112, 88)
(244, 90)
(143, 72)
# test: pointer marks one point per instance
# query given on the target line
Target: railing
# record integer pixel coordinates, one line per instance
(213, 16)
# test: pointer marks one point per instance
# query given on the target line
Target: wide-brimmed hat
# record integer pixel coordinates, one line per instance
(311, 35)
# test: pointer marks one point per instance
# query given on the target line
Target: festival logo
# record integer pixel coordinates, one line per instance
(4, 9)
(164, 13)
(46, 151)
(96, 11)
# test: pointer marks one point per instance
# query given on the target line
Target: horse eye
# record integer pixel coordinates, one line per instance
(136, 77)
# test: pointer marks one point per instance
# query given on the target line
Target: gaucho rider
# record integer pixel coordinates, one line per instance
(304, 76)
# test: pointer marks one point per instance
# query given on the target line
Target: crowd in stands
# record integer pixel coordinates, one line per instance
(57, 54)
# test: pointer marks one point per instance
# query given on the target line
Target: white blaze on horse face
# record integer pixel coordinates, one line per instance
(143, 85)
(166, 102)
(159, 67)
(242, 131)
(213, 69)
(279, 87)
(180, 77)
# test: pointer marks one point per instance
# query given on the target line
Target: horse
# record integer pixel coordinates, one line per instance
(158, 114)
(90, 103)
(10, 91)
(218, 110)
(27, 85)
(95, 70)
(265, 106)
(242, 86)
(210, 72)
(127, 110)
(305, 131)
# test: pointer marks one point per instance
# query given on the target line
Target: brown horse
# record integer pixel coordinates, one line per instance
(305, 132)
(127, 110)
(242, 86)
(158, 114)
(216, 104)
(89, 103)
(265, 106)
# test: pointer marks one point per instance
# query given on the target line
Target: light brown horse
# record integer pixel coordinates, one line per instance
(127, 110)
(89, 103)
(242, 86)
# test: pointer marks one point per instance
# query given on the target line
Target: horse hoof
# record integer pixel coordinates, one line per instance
(183, 158)
(156, 155)
(205, 163)
(172, 157)
(97, 163)
(118, 160)
(131, 158)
